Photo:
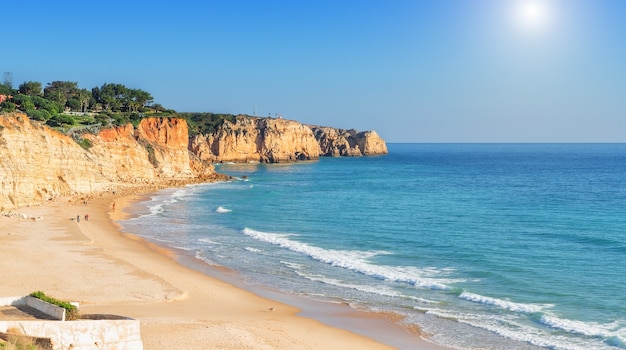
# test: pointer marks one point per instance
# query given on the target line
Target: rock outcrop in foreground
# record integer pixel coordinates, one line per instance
(251, 139)
(39, 164)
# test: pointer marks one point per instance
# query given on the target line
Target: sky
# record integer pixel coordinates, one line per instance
(413, 70)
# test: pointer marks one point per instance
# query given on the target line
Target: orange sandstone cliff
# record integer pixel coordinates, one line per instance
(39, 164)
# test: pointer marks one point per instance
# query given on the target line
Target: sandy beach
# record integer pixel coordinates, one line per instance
(91, 261)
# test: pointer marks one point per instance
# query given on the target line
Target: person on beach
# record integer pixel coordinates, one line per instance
(86, 217)
(77, 218)
(113, 205)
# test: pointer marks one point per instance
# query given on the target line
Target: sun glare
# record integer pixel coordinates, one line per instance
(532, 15)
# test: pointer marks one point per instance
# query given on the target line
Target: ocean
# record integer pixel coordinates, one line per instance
(488, 246)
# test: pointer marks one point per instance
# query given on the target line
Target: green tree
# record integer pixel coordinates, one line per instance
(111, 96)
(60, 91)
(30, 88)
(158, 107)
(84, 96)
(135, 99)
(6, 90)
(74, 104)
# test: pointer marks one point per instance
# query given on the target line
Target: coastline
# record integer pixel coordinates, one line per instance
(110, 272)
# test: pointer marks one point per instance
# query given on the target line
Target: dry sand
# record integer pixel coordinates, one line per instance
(179, 308)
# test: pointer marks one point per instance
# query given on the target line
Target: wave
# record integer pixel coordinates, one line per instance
(182, 192)
(292, 265)
(591, 329)
(510, 328)
(504, 304)
(378, 289)
(204, 259)
(162, 199)
(154, 210)
(183, 248)
(208, 241)
(222, 210)
(610, 334)
(428, 278)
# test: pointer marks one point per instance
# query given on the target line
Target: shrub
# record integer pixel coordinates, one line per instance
(71, 311)
(38, 114)
(60, 120)
(84, 143)
(7, 106)
(18, 343)
(41, 103)
(151, 156)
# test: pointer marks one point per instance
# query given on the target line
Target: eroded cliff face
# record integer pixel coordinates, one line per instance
(251, 139)
(38, 163)
(257, 140)
(349, 143)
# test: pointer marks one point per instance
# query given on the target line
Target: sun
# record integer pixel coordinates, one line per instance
(532, 15)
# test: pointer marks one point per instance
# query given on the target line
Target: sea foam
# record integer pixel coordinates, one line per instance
(357, 261)
(504, 304)
(590, 329)
(222, 210)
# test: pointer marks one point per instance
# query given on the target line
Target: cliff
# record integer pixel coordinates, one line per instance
(38, 163)
(251, 139)
(348, 143)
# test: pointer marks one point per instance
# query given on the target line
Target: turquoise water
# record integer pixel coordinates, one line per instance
(494, 246)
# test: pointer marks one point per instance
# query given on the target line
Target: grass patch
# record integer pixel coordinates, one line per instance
(16, 343)
(151, 156)
(84, 143)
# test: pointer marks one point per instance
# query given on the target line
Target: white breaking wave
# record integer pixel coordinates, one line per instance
(182, 248)
(509, 328)
(504, 304)
(154, 210)
(605, 334)
(380, 290)
(591, 329)
(252, 250)
(292, 265)
(181, 192)
(208, 241)
(357, 261)
(222, 210)
(200, 257)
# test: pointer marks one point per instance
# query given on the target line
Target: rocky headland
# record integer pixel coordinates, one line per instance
(38, 164)
(275, 140)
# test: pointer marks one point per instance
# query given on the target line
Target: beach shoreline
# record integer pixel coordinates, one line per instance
(112, 272)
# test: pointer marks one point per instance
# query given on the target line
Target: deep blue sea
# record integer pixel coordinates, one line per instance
(490, 246)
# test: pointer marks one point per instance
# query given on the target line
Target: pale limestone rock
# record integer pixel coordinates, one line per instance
(349, 143)
(251, 139)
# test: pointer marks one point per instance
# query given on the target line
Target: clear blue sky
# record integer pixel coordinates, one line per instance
(413, 70)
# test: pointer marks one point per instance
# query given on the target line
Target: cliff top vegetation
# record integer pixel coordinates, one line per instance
(66, 107)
